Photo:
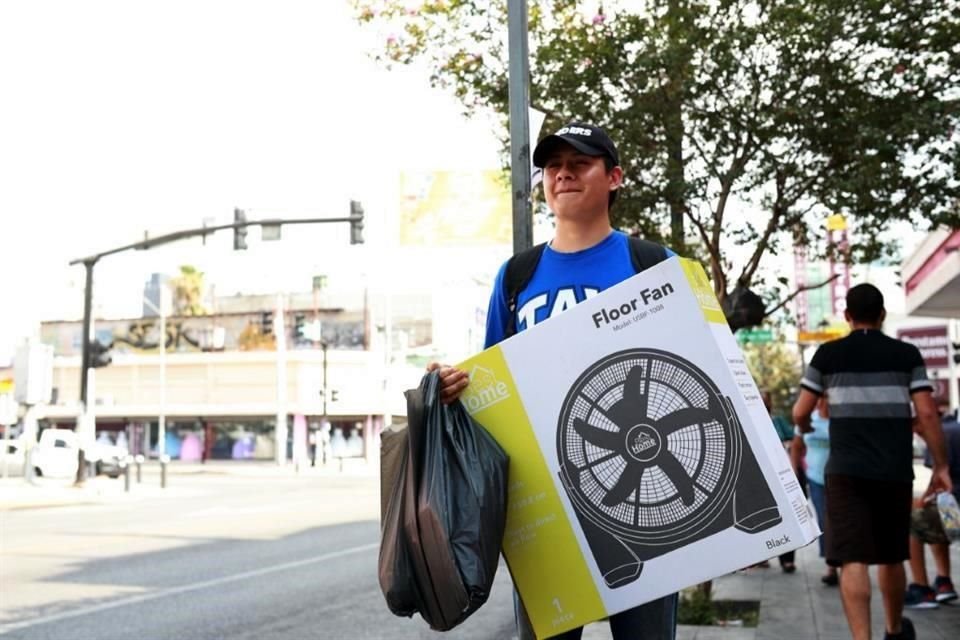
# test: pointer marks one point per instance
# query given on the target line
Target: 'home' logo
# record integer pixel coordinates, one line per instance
(642, 443)
(484, 390)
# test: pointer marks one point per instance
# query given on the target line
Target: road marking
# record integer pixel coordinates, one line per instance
(173, 591)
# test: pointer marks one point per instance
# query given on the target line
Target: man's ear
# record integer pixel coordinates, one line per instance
(616, 178)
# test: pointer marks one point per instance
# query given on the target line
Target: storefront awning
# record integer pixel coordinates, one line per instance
(932, 276)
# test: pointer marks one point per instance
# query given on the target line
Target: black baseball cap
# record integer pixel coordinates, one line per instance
(585, 138)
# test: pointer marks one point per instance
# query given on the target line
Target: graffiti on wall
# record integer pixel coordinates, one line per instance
(144, 335)
(229, 332)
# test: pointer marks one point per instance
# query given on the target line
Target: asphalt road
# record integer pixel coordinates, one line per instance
(271, 557)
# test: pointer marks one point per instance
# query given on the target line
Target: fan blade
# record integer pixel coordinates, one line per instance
(599, 437)
(678, 476)
(682, 418)
(628, 482)
(632, 409)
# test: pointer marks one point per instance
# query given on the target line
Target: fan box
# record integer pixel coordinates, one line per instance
(642, 459)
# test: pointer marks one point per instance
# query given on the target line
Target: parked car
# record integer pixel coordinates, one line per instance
(56, 455)
(107, 458)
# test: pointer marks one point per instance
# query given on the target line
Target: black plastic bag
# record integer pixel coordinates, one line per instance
(444, 519)
(395, 572)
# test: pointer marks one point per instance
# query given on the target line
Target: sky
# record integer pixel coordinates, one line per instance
(122, 118)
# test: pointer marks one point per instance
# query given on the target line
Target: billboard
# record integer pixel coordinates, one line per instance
(455, 208)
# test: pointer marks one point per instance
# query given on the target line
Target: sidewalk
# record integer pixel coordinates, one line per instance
(17, 493)
(798, 607)
(792, 607)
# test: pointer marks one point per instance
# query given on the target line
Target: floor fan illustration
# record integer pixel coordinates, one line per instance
(652, 457)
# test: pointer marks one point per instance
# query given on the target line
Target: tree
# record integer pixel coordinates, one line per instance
(747, 120)
(188, 292)
(776, 368)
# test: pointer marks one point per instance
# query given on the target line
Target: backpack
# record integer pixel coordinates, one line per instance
(520, 268)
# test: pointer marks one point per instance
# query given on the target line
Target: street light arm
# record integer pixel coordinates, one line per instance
(149, 243)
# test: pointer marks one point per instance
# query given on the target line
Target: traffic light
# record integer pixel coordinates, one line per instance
(298, 324)
(266, 323)
(356, 224)
(100, 354)
(956, 352)
(239, 233)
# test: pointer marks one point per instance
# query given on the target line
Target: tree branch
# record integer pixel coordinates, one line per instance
(800, 290)
(772, 225)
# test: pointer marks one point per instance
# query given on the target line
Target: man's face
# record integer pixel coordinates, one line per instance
(577, 186)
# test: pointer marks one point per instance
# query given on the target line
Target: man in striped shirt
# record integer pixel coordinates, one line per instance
(877, 387)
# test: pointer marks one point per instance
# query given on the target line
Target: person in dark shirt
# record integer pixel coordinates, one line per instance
(927, 529)
(874, 384)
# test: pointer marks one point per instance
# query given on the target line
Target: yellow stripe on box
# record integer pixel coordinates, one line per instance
(557, 595)
(703, 291)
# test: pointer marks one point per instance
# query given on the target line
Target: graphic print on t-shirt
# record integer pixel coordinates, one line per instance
(541, 306)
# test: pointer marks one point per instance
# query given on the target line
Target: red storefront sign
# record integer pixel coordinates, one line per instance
(933, 343)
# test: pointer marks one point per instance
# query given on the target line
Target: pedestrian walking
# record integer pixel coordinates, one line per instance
(785, 433)
(582, 177)
(874, 383)
(926, 528)
(809, 452)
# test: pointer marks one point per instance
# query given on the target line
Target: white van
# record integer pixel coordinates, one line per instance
(56, 455)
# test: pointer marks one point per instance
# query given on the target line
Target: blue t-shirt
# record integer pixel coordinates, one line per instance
(818, 447)
(560, 281)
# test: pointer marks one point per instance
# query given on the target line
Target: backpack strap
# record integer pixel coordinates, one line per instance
(644, 254)
(519, 270)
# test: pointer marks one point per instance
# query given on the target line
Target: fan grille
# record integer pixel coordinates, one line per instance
(701, 449)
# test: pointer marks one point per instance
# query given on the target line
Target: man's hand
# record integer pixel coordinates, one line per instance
(452, 381)
(939, 482)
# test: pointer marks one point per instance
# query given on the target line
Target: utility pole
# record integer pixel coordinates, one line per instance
(162, 310)
(280, 336)
(323, 346)
(85, 337)
(519, 98)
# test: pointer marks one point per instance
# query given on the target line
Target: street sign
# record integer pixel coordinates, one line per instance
(312, 331)
(8, 409)
(33, 373)
(824, 335)
(270, 232)
(755, 336)
(933, 343)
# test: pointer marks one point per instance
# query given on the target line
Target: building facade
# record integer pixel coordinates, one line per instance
(227, 388)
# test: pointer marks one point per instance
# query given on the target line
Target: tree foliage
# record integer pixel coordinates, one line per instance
(776, 368)
(750, 120)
